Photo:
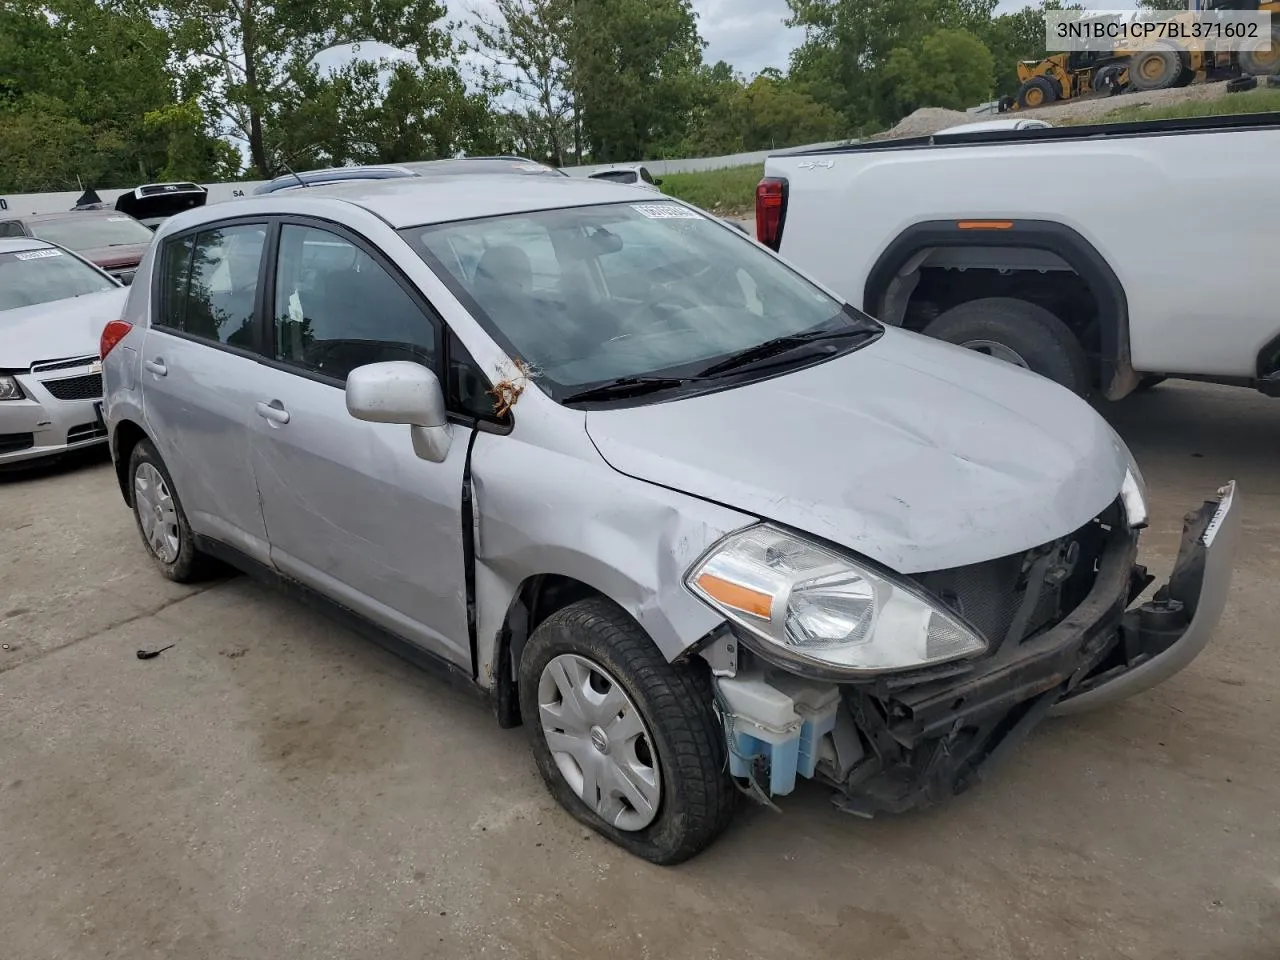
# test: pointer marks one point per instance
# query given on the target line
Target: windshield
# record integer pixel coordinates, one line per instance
(92, 233)
(595, 294)
(41, 276)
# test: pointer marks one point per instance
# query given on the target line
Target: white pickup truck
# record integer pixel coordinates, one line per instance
(1104, 257)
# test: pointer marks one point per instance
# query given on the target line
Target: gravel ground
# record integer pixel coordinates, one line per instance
(274, 787)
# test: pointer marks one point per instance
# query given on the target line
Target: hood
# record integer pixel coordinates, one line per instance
(917, 454)
(56, 330)
(112, 258)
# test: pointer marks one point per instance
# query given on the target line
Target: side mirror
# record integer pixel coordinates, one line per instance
(657, 181)
(399, 391)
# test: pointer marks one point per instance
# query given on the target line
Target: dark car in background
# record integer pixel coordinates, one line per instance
(153, 203)
(109, 239)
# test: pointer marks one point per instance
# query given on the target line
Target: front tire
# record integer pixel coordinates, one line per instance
(625, 741)
(1019, 332)
(161, 520)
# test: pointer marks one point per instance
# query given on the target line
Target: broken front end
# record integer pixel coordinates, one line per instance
(903, 691)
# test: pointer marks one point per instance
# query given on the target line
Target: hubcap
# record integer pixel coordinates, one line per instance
(157, 516)
(599, 741)
(997, 350)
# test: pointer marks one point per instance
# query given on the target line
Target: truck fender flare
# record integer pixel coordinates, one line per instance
(1077, 252)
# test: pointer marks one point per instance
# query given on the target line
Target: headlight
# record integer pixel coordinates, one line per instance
(812, 607)
(1133, 490)
(9, 389)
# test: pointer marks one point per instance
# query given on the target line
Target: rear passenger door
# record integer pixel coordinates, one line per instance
(199, 366)
(350, 509)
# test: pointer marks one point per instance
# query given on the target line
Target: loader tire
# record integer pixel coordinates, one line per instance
(1262, 63)
(1037, 92)
(1157, 67)
(1019, 332)
(1107, 79)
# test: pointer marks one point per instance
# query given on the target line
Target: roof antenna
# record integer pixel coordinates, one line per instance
(301, 182)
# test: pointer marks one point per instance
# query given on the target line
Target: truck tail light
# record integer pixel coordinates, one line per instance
(771, 211)
(112, 333)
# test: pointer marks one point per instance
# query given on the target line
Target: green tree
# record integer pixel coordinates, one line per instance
(848, 44)
(768, 112)
(77, 80)
(950, 68)
(1018, 36)
(256, 59)
(633, 74)
(526, 45)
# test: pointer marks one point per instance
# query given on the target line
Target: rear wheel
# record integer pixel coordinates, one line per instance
(1257, 62)
(625, 741)
(1156, 68)
(1037, 92)
(1017, 332)
(1107, 79)
(161, 519)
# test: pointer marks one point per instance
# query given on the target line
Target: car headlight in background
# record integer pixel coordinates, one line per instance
(9, 389)
(809, 606)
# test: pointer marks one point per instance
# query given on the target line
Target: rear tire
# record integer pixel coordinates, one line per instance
(1000, 326)
(682, 739)
(1156, 68)
(162, 522)
(1262, 63)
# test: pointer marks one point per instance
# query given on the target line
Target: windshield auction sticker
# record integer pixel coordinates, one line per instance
(1128, 32)
(665, 211)
(38, 254)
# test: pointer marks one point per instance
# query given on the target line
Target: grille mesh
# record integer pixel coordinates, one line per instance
(88, 387)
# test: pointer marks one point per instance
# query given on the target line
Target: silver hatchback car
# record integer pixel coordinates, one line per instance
(703, 528)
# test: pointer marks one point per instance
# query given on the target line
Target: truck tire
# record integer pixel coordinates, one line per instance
(1021, 333)
(666, 728)
(1107, 80)
(1037, 92)
(1262, 63)
(1157, 67)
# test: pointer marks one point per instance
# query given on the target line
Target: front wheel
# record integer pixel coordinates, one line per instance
(625, 741)
(1017, 332)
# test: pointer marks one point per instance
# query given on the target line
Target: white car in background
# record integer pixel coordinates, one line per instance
(53, 306)
(634, 174)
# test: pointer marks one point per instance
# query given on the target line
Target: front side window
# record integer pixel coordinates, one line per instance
(209, 283)
(645, 175)
(336, 308)
(631, 290)
(92, 232)
(28, 277)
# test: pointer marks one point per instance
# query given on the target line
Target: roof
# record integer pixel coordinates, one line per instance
(67, 215)
(415, 201)
(18, 244)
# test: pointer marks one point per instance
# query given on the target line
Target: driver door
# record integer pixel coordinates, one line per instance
(350, 510)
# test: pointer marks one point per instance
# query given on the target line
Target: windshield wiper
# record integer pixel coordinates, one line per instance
(781, 345)
(625, 387)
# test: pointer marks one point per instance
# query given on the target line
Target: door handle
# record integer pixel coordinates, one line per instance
(273, 411)
(156, 366)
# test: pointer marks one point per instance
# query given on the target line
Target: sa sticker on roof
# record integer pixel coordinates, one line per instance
(665, 211)
(38, 254)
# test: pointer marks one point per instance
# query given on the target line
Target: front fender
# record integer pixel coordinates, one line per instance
(539, 511)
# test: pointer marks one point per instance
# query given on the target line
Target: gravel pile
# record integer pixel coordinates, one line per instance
(929, 120)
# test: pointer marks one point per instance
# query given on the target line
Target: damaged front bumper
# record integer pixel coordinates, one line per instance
(909, 740)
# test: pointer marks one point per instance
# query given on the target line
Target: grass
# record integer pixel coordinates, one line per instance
(730, 191)
(1252, 101)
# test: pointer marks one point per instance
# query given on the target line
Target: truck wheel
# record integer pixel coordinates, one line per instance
(1262, 63)
(1156, 68)
(625, 741)
(1036, 92)
(1107, 78)
(1020, 333)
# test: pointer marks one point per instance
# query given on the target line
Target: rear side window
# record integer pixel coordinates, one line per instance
(210, 283)
(11, 228)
